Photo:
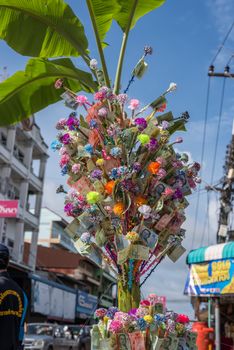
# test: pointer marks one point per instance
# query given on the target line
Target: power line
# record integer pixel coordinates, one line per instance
(222, 44)
(202, 157)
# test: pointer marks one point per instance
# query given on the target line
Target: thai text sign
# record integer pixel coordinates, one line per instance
(86, 303)
(211, 278)
(8, 208)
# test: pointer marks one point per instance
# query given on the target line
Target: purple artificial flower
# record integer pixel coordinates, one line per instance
(97, 174)
(164, 125)
(61, 124)
(177, 194)
(122, 98)
(152, 145)
(102, 112)
(68, 207)
(136, 166)
(72, 122)
(132, 312)
(161, 174)
(65, 139)
(141, 123)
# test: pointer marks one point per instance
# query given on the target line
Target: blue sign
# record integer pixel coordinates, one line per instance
(86, 303)
(211, 278)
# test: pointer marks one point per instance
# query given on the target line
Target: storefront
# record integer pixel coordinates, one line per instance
(210, 284)
(85, 307)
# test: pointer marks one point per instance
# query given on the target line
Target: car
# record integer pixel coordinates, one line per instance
(80, 334)
(46, 336)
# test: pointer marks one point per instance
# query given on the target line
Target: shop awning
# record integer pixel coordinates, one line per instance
(213, 252)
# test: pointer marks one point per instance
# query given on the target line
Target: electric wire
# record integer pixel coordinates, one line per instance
(222, 44)
(201, 161)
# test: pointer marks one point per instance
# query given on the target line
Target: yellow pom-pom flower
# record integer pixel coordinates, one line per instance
(148, 319)
(93, 197)
(100, 162)
(143, 138)
(132, 236)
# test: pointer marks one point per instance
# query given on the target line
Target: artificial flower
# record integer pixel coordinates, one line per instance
(143, 138)
(154, 167)
(134, 104)
(85, 237)
(118, 208)
(132, 236)
(66, 139)
(141, 123)
(93, 63)
(96, 174)
(100, 313)
(109, 186)
(145, 303)
(145, 211)
(65, 159)
(168, 192)
(148, 318)
(172, 87)
(152, 145)
(140, 200)
(76, 168)
(81, 100)
(100, 162)
(93, 197)
(116, 326)
(55, 145)
(58, 84)
(116, 151)
(181, 318)
(122, 98)
(102, 112)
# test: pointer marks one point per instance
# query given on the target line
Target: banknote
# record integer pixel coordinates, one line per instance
(100, 238)
(123, 255)
(149, 237)
(176, 252)
(171, 342)
(157, 343)
(74, 229)
(164, 221)
(137, 341)
(90, 165)
(98, 186)
(82, 248)
(83, 185)
(123, 342)
(138, 252)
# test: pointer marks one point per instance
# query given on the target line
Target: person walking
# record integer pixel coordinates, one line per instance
(13, 307)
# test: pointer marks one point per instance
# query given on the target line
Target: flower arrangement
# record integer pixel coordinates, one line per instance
(128, 185)
(151, 330)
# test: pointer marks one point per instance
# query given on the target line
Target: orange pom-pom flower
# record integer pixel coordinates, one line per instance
(118, 208)
(139, 200)
(154, 167)
(109, 186)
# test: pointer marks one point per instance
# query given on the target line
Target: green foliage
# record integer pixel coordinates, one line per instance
(119, 10)
(30, 91)
(42, 28)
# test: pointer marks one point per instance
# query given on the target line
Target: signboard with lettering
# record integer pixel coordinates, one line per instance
(9, 208)
(211, 278)
(86, 303)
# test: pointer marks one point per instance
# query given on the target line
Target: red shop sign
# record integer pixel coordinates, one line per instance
(8, 209)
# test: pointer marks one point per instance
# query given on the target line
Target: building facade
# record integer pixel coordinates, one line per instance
(23, 157)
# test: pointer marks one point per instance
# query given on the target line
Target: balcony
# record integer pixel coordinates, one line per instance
(36, 182)
(4, 153)
(31, 219)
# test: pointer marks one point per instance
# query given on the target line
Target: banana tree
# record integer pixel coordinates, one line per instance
(50, 32)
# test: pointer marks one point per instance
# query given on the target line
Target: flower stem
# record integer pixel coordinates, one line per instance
(98, 41)
(123, 48)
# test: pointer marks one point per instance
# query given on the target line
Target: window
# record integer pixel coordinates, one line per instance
(3, 139)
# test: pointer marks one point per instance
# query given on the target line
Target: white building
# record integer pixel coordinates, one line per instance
(23, 156)
(52, 231)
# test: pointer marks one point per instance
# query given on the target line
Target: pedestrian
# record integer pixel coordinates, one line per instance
(13, 307)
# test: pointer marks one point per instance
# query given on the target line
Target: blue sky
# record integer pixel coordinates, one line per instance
(185, 36)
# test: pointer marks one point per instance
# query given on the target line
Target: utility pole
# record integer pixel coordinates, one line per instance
(227, 183)
(225, 74)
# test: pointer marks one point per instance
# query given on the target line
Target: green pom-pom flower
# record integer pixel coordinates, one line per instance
(143, 138)
(93, 197)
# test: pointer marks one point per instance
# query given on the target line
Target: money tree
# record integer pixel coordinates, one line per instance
(128, 186)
